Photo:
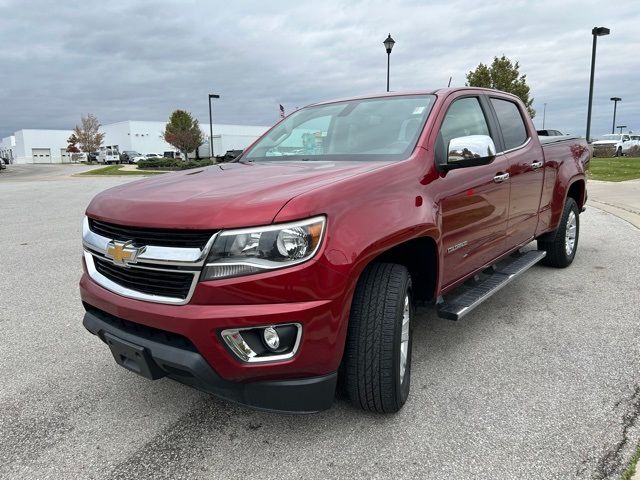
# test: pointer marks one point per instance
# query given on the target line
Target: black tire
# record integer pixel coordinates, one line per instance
(619, 152)
(556, 248)
(372, 356)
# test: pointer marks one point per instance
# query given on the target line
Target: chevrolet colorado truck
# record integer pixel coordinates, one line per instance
(266, 279)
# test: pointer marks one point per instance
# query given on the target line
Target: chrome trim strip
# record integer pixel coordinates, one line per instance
(246, 354)
(129, 293)
(515, 148)
(152, 254)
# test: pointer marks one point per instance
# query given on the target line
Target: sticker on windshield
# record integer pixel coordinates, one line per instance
(418, 110)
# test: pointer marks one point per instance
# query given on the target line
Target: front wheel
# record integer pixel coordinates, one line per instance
(562, 249)
(619, 152)
(378, 350)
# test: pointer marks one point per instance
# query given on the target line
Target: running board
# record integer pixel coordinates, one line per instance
(459, 306)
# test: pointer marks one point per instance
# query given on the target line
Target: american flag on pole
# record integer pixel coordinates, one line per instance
(281, 111)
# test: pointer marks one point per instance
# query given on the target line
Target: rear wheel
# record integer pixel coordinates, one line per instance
(619, 152)
(562, 249)
(378, 350)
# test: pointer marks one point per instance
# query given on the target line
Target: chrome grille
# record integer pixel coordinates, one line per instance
(159, 272)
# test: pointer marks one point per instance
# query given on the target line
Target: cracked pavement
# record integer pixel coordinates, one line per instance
(540, 382)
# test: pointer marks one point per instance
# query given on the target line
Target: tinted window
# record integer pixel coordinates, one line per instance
(513, 130)
(464, 117)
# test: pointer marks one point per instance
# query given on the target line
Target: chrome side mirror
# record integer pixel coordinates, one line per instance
(470, 151)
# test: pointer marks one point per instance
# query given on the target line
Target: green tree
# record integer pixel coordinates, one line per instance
(502, 74)
(87, 135)
(183, 132)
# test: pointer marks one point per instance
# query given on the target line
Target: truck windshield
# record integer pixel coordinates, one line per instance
(368, 129)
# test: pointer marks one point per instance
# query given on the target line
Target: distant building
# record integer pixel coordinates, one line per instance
(50, 146)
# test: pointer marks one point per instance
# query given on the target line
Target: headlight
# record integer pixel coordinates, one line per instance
(252, 250)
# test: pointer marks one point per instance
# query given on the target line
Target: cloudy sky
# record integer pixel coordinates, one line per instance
(141, 59)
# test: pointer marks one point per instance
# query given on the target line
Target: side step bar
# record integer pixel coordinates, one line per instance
(459, 306)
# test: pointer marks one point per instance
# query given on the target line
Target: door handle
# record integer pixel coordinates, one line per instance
(501, 177)
(536, 165)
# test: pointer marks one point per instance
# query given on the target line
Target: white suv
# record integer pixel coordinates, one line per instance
(614, 145)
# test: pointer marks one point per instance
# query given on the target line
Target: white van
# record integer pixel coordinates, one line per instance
(109, 154)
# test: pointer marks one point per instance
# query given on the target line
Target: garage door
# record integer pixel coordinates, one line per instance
(41, 155)
(65, 156)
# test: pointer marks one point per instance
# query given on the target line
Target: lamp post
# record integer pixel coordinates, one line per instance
(615, 101)
(544, 115)
(388, 45)
(621, 127)
(211, 95)
(596, 32)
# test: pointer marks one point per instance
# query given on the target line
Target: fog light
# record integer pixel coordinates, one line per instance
(271, 338)
(264, 344)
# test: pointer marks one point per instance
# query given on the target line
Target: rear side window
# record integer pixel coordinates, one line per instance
(511, 123)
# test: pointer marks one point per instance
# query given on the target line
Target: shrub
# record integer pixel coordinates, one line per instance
(634, 151)
(171, 164)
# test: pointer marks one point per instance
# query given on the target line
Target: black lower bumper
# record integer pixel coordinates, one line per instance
(153, 359)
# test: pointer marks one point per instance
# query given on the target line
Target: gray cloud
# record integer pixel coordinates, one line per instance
(140, 60)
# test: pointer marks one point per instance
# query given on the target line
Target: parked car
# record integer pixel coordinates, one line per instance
(550, 133)
(230, 155)
(127, 156)
(153, 155)
(137, 158)
(613, 145)
(93, 156)
(261, 279)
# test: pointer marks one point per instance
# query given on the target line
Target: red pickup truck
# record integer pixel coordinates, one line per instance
(265, 280)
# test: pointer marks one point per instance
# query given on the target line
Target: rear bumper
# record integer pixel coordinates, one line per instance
(187, 366)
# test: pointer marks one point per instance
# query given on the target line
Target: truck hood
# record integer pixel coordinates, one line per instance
(222, 196)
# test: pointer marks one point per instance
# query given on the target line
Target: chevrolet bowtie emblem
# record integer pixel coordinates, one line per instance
(123, 253)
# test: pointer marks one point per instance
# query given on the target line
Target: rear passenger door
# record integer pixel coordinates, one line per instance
(526, 162)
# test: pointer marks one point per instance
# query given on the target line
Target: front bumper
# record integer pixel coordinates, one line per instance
(175, 358)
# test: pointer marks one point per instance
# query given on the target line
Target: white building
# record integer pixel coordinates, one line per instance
(50, 146)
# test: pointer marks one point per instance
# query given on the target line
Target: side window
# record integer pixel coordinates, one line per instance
(511, 123)
(625, 138)
(464, 117)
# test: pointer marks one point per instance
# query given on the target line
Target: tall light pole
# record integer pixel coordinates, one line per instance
(596, 32)
(615, 101)
(388, 45)
(544, 115)
(211, 95)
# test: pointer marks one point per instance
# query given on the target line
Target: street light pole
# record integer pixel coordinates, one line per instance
(596, 32)
(621, 127)
(544, 115)
(211, 95)
(615, 101)
(388, 45)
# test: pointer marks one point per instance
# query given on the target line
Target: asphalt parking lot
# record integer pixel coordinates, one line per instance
(540, 382)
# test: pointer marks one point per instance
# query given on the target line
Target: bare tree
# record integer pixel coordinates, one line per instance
(87, 134)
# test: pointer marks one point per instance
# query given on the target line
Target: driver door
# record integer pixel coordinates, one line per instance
(474, 201)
